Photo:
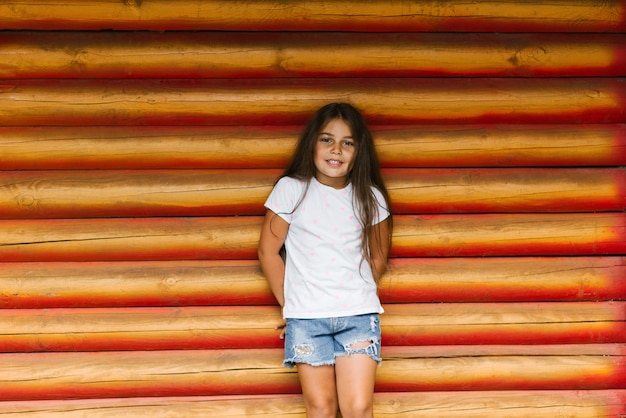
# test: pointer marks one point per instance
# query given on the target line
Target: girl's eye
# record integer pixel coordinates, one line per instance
(348, 143)
(325, 139)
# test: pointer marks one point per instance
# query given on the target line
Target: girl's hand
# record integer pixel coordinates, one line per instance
(282, 327)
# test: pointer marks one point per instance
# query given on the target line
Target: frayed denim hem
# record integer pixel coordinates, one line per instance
(291, 363)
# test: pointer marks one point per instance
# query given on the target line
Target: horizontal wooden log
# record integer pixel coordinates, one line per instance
(189, 328)
(31, 376)
(240, 282)
(162, 147)
(487, 16)
(485, 368)
(495, 404)
(405, 367)
(90, 194)
(515, 234)
(145, 147)
(119, 239)
(118, 329)
(506, 190)
(464, 404)
(130, 239)
(504, 279)
(235, 54)
(155, 283)
(84, 194)
(293, 101)
(505, 323)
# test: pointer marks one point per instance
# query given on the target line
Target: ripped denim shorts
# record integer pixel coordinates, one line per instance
(319, 341)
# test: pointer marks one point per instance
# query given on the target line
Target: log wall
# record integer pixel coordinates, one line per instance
(139, 139)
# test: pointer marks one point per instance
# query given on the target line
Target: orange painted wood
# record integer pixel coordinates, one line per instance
(140, 193)
(551, 102)
(130, 239)
(240, 282)
(70, 54)
(378, 16)
(292, 101)
(153, 283)
(87, 194)
(503, 323)
(28, 376)
(542, 367)
(144, 147)
(457, 404)
(118, 239)
(241, 406)
(514, 234)
(504, 279)
(162, 147)
(137, 329)
(144, 373)
(502, 145)
(506, 190)
(191, 328)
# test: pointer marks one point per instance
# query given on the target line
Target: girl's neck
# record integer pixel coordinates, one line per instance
(334, 182)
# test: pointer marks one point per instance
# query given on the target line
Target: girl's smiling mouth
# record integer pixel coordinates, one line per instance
(334, 162)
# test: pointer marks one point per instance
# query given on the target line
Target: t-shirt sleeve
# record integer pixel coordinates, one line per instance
(383, 210)
(283, 198)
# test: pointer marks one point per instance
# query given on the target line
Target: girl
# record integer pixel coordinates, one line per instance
(330, 212)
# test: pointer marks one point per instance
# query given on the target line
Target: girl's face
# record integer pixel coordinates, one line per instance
(335, 151)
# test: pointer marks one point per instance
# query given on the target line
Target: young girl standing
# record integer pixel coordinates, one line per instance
(330, 212)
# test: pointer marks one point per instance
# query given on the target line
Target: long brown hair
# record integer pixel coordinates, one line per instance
(365, 172)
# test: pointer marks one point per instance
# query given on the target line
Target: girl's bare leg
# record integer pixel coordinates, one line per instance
(319, 390)
(356, 376)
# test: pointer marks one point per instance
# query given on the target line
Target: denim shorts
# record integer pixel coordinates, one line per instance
(319, 341)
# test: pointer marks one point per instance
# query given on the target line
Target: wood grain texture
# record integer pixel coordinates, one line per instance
(373, 16)
(457, 404)
(240, 327)
(508, 234)
(293, 101)
(505, 190)
(140, 193)
(189, 147)
(502, 367)
(153, 283)
(504, 279)
(138, 140)
(119, 239)
(236, 372)
(114, 239)
(503, 323)
(130, 239)
(282, 54)
(240, 282)
(108, 193)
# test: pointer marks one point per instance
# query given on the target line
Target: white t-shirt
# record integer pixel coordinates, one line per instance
(325, 272)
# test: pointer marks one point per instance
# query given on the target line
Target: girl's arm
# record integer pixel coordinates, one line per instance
(379, 248)
(273, 236)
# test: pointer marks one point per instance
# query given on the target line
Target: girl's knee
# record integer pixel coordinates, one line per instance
(358, 408)
(321, 408)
